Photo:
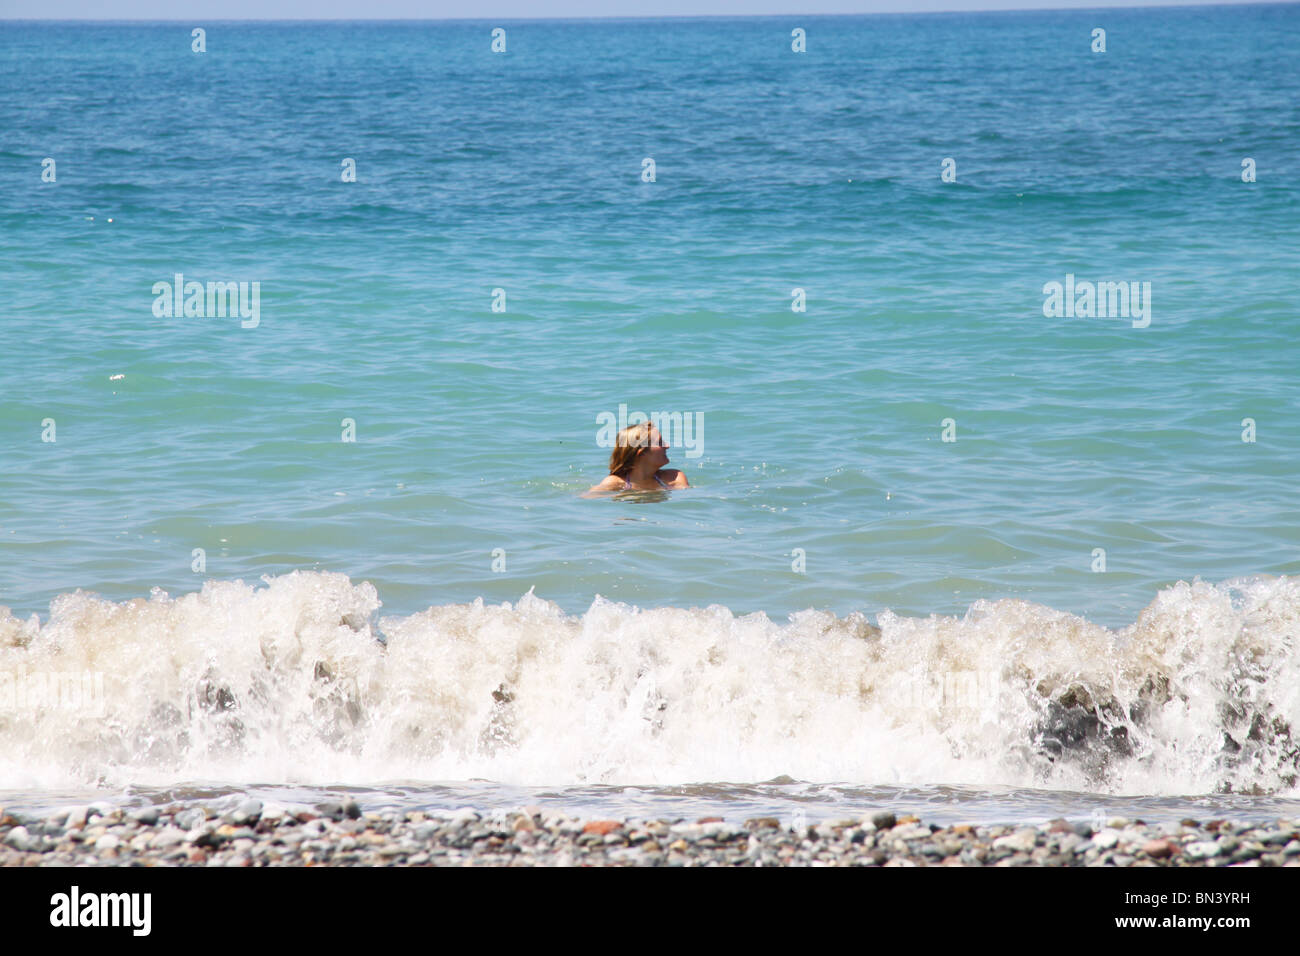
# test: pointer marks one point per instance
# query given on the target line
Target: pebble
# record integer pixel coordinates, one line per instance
(147, 817)
(189, 819)
(1201, 850)
(167, 838)
(21, 840)
(1157, 849)
(246, 814)
(1105, 839)
(244, 832)
(1022, 841)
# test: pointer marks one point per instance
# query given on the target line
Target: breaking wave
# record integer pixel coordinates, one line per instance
(301, 681)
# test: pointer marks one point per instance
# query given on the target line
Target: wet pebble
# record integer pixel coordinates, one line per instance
(247, 833)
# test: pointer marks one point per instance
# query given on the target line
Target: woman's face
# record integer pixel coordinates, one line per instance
(657, 450)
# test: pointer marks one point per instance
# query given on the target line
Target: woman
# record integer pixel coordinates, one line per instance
(637, 463)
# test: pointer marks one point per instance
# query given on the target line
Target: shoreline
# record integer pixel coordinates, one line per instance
(251, 833)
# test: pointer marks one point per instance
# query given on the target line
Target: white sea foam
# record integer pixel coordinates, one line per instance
(299, 681)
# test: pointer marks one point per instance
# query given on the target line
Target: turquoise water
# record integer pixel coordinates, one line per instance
(475, 430)
(822, 478)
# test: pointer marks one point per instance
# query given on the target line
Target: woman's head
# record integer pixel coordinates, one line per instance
(632, 443)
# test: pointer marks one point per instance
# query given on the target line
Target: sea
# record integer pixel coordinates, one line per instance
(974, 334)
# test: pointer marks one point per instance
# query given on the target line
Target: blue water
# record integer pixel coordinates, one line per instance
(822, 478)
(522, 171)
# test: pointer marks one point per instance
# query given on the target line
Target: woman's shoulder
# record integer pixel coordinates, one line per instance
(673, 478)
(608, 483)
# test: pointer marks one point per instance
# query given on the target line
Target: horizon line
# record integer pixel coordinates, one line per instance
(1118, 5)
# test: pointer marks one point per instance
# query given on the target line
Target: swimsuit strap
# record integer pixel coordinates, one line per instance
(627, 485)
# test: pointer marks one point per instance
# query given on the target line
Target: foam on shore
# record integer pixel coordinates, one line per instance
(301, 681)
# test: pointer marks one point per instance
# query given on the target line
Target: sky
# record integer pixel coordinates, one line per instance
(214, 10)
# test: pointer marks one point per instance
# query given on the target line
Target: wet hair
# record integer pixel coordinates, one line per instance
(628, 444)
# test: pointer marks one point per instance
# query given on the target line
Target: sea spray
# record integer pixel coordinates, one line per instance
(299, 681)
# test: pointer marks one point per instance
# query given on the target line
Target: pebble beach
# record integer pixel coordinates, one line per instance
(987, 555)
(250, 833)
